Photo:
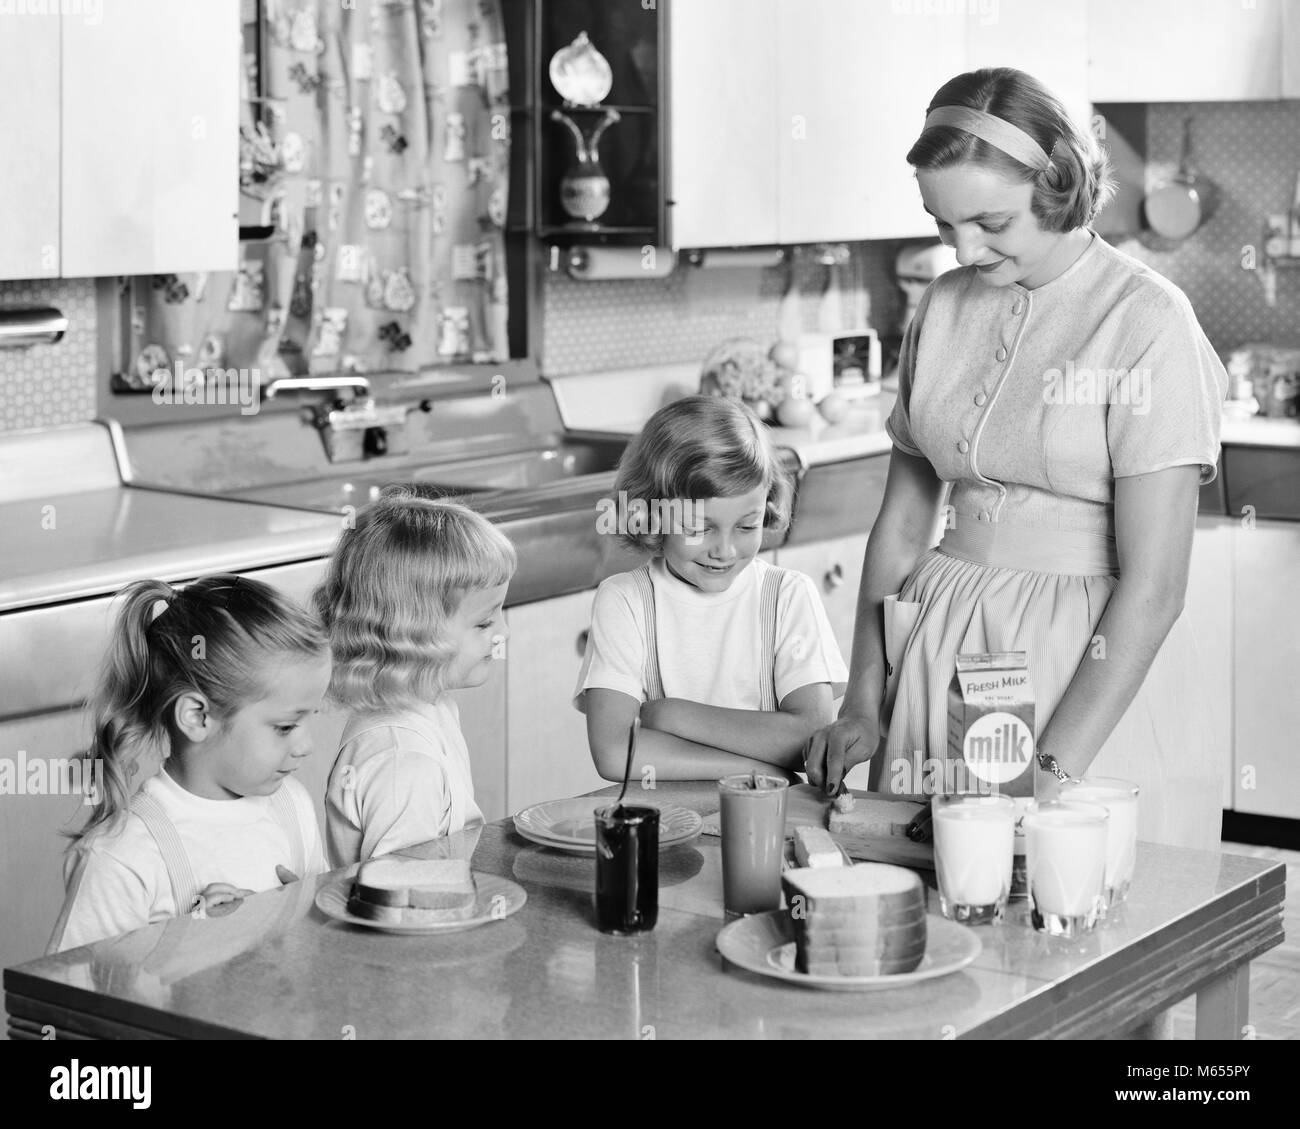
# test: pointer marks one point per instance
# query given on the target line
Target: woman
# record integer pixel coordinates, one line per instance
(1070, 397)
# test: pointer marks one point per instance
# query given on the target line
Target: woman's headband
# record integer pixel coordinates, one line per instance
(998, 132)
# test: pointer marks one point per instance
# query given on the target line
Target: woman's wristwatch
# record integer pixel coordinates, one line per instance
(1049, 763)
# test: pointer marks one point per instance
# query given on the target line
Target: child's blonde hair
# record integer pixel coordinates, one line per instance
(213, 637)
(393, 583)
(696, 448)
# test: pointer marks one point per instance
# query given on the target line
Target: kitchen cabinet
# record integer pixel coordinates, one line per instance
(1290, 51)
(29, 124)
(1266, 658)
(1048, 41)
(723, 106)
(128, 127)
(546, 737)
(1208, 608)
(1208, 50)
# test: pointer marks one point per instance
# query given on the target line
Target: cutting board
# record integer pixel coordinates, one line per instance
(806, 806)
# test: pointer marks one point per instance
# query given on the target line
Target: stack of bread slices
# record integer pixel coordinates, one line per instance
(862, 920)
(404, 891)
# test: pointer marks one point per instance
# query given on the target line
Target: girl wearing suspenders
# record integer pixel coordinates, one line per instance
(217, 678)
(729, 661)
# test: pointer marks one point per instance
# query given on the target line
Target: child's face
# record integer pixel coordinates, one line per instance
(262, 743)
(472, 635)
(724, 535)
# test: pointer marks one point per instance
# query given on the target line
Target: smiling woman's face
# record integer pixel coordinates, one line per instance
(986, 219)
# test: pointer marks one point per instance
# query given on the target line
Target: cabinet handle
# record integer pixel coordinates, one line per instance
(583, 636)
(834, 577)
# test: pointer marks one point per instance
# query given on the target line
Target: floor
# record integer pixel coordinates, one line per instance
(1275, 976)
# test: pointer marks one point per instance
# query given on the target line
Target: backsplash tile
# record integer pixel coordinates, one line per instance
(1252, 151)
(48, 385)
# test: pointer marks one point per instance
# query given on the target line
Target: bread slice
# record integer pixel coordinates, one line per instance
(813, 846)
(418, 890)
(874, 818)
(864, 920)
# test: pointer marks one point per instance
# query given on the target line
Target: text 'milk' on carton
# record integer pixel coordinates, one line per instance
(991, 722)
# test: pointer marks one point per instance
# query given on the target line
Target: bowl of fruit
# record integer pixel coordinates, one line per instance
(768, 381)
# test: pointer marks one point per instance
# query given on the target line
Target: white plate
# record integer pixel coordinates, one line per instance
(497, 898)
(570, 825)
(764, 943)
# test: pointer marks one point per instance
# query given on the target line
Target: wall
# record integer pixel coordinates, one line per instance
(48, 385)
(588, 326)
(1252, 151)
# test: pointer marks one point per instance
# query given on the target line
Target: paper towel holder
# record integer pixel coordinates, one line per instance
(599, 264)
(23, 328)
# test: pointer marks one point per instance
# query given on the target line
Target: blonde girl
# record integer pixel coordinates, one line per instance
(215, 678)
(729, 661)
(413, 603)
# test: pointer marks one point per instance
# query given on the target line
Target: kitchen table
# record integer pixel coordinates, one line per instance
(277, 967)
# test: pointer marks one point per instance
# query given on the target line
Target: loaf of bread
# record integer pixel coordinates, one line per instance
(813, 846)
(402, 891)
(863, 920)
(874, 818)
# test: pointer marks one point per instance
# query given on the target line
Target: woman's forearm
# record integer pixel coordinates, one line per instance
(1128, 637)
(775, 737)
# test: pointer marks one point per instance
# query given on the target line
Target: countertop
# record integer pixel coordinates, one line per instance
(278, 968)
(78, 545)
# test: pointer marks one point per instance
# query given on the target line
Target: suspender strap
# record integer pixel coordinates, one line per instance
(285, 813)
(654, 686)
(179, 872)
(767, 625)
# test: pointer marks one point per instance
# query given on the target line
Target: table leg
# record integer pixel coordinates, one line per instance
(1223, 1005)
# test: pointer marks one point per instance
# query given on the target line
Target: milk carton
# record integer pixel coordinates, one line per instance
(991, 735)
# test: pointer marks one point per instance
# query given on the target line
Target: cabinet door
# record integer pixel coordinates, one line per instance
(546, 738)
(1208, 607)
(1184, 50)
(150, 144)
(1266, 660)
(1291, 50)
(855, 80)
(29, 124)
(722, 101)
(1049, 41)
(836, 567)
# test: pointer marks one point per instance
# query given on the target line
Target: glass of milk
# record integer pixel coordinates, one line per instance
(973, 845)
(1065, 852)
(1120, 798)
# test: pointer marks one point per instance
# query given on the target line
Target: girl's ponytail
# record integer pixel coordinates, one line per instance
(121, 730)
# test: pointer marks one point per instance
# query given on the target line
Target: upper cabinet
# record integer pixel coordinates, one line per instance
(129, 128)
(1190, 50)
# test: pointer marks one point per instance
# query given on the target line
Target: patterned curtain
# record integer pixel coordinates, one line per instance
(379, 152)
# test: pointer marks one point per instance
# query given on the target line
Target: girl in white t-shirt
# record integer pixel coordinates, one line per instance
(412, 601)
(729, 661)
(215, 679)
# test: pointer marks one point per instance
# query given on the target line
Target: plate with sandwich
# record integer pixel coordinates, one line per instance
(853, 928)
(408, 895)
(570, 825)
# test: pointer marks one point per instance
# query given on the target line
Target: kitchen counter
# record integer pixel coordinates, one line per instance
(278, 968)
(79, 545)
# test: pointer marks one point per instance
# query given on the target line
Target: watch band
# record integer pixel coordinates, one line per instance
(1049, 763)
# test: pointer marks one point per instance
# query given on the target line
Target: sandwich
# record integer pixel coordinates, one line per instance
(871, 819)
(813, 846)
(404, 891)
(863, 920)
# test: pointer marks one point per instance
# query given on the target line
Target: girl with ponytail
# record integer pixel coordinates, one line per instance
(215, 681)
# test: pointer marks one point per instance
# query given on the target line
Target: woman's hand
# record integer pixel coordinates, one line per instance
(832, 751)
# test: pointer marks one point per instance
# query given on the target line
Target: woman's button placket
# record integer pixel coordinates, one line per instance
(1017, 306)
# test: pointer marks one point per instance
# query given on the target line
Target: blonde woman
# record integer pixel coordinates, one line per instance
(1067, 393)
(413, 603)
